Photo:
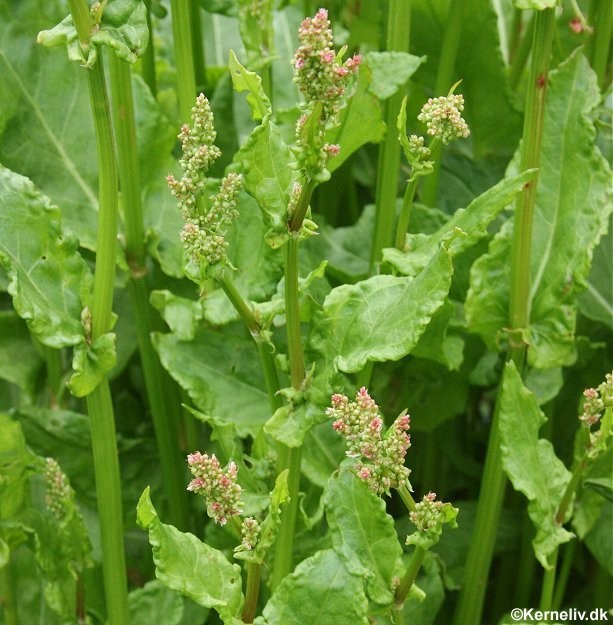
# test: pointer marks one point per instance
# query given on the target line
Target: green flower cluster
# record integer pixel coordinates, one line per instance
(443, 118)
(382, 457)
(59, 495)
(206, 219)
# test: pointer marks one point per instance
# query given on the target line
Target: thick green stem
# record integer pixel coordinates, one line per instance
(406, 497)
(164, 411)
(110, 513)
(515, 33)
(405, 213)
(8, 599)
(184, 57)
(476, 573)
(519, 306)
(564, 574)
(99, 404)
(398, 35)
(267, 361)
(252, 591)
(198, 45)
(601, 43)
(521, 57)
(148, 58)
(444, 80)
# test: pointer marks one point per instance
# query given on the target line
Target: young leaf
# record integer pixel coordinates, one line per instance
(524, 455)
(383, 317)
(123, 28)
(363, 534)
(390, 71)
(49, 280)
(189, 566)
(91, 364)
(321, 591)
(244, 80)
(570, 217)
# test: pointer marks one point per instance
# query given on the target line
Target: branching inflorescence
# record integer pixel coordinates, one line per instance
(206, 219)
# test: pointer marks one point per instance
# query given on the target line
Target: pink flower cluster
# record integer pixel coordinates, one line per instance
(320, 74)
(382, 457)
(218, 487)
(427, 512)
(597, 400)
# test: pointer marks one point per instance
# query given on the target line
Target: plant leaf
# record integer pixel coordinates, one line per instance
(571, 213)
(244, 80)
(390, 71)
(523, 457)
(536, 5)
(218, 371)
(383, 317)
(321, 591)
(188, 565)
(49, 281)
(363, 534)
(154, 601)
(473, 221)
(91, 363)
(123, 28)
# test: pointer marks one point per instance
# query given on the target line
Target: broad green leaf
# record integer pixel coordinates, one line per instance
(220, 371)
(182, 315)
(322, 452)
(20, 363)
(599, 540)
(383, 317)
(15, 461)
(49, 281)
(390, 71)
(154, 602)
(596, 302)
(571, 214)
(244, 80)
(472, 221)
(123, 28)
(524, 455)
(186, 564)
(91, 364)
(321, 591)
(363, 534)
(266, 162)
(361, 121)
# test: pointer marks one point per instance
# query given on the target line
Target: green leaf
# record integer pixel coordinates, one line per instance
(191, 567)
(537, 5)
(20, 363)
(91, 363)
(49, 281)
(363, 534)
(321, 591)
(267, 164)
(123, 28)
(219, 372)
(390, 71)
(244, 80)
(155, 602)
(472, 221)
(523, 457)
(599, 540)
(383, 317)
(361, 121)
(571, 213)
(15, 460)
(182, 315)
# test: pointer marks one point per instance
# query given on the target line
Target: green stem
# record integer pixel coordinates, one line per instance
(252, 591)
(406, 582)
(292, 314)
(564, 574)
(444, 80)
(184, 57)
(405, 213)
(53, 361)
(296, 219)
(521, 57)
(267, 361)
(99, 404)
(519, 306)
(567, 497)
(515, 33)
(549, 578)
(164, 411)
(406, 497)
(397, 39)
(8, 599)
(110, 513)
(198, 45)
(526, 563)
(489, 506)
(601, 42)
(148, 58)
